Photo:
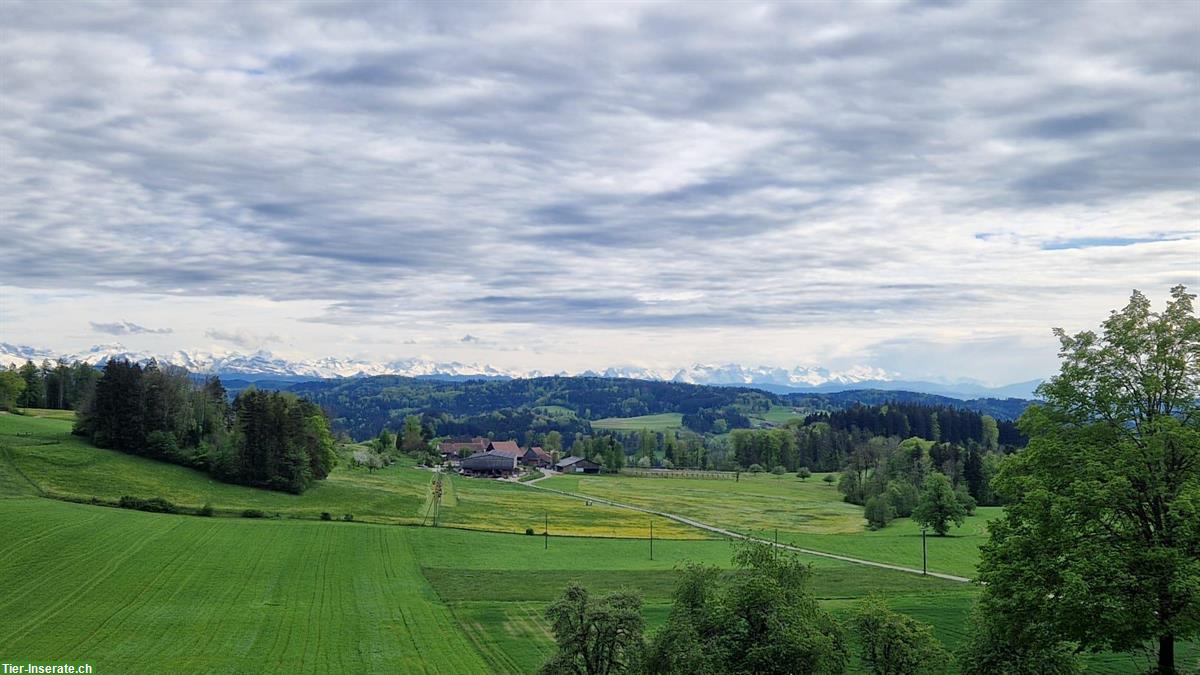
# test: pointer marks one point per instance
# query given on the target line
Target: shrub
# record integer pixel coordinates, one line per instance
(529, 530)
(644, 463)
(325, 515)
(778, 470)
(348, 517)
(894, 643)
(879, 512)
(903, 496)
(803, 473)
(206, 510)
(253, 513)
(153, 504)
(755, 468)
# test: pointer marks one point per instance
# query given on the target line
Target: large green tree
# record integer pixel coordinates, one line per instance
(599, 636)
(939, 505)
(1099, 546)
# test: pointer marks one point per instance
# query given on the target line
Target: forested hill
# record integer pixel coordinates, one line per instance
(363, 406)
(999, 408)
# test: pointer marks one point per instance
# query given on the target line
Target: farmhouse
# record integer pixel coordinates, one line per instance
(455, 449)
(535, 456)
(577, 465)
(506, 448)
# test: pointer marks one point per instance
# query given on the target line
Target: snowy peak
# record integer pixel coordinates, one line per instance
(263, 365)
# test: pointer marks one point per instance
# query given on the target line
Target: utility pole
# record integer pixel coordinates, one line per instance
(652, 539)
(924, 554)
(546, 533)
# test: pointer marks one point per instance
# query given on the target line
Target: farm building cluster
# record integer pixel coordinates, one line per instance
(483, 457)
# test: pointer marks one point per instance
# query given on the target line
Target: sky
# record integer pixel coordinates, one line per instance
(922, 187)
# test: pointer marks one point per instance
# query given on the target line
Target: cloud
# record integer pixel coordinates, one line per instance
(242, 338)
(127, 328)
(469, 338)
(660, 167)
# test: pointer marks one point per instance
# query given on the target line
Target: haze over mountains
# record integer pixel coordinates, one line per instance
(265, 365)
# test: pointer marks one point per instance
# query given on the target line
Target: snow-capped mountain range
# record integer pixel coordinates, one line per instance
(264, 365)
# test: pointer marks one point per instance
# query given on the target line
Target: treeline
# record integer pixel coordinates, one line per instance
(264, 439)
(53, 384)
(932, 423)
(999, 408)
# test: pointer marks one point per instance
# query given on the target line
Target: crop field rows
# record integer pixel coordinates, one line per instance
(146, 592)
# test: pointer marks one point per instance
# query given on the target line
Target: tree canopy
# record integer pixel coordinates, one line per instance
(1099, 547)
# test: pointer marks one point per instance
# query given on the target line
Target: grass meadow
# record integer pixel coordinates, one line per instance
(807, 513)
(659, 422)
(134, 592)
(39, 456)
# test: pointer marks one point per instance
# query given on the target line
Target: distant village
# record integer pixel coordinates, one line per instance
(500, 459)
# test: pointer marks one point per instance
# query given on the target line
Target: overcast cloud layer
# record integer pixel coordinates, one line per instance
(924, 187)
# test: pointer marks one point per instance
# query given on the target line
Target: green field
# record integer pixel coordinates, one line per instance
(809, 514)
(39, 456)
(659, 422)
(778, 415)
(134, 592)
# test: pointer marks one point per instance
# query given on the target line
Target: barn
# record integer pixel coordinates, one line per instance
(489, 464)
(577, 465)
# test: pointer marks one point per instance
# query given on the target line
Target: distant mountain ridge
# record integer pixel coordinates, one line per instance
(263, 365)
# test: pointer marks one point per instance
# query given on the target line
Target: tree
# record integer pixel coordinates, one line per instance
(939, 505)
(896, 644)
(552, 443)
(973, 474)
(595, 637)
(879, 512)
(803, 473)
(647, 443)
(761, 620)
(995, 648)
(412, 440)
(385, 441)
(11, 386)
(991, 433)
(33, 396)
(1100, 539)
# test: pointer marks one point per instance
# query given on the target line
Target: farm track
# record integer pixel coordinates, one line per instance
(738, 535)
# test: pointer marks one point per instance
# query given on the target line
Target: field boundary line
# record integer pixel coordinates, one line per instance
(6, 454)
(744, 537)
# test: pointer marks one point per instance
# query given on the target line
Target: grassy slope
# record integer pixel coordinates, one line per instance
(659, 422)
(778, 414)
(39, 455)
(138, 592)
(807, 513)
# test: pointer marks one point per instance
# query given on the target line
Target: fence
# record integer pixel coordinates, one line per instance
(679, 473)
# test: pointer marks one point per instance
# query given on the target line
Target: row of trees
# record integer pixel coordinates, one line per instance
(891, 478)
(264, 439)
(763, 619)
(932, 423)
(55, 384)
